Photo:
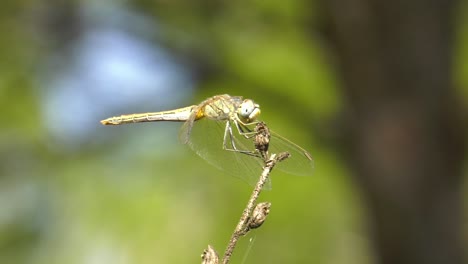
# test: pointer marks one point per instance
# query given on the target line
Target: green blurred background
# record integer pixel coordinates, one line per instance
(74, 191)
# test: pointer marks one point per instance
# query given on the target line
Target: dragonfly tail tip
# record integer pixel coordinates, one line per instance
(105, 122)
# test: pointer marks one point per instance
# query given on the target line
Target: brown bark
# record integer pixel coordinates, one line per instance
(404, 130)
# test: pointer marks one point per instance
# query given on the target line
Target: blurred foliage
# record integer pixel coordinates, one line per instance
(123, 197)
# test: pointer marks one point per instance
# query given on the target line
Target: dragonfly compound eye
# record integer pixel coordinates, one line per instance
(249, 110)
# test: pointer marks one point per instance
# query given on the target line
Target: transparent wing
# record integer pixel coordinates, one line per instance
(206, 137)
(299, 163)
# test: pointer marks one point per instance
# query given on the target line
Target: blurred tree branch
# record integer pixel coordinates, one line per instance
(404, 129)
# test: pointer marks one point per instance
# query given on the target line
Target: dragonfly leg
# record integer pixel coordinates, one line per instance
(228, 131)
(229, 136)
(241, 126)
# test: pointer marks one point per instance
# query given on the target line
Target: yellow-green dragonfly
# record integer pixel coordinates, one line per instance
(218, 130)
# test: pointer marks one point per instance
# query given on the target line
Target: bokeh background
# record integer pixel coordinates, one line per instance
(74, 191)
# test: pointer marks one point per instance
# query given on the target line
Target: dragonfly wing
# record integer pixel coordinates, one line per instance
(299, 163)
(206, 137)
(186, 128)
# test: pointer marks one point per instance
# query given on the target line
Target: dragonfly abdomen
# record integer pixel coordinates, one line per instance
(176, 115)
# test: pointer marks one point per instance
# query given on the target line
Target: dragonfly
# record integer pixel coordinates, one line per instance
(220, 130)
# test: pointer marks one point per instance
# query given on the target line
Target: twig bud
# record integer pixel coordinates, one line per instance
(259, 215)
(262, 139)
(210, 256)
(282, 156)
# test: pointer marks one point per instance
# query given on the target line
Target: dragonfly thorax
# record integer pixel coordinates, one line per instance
(248, 111)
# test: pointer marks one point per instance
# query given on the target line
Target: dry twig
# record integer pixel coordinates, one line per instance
(253, 215)
(250, 220)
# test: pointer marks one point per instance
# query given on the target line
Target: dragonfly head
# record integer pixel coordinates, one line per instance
(248, 111)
